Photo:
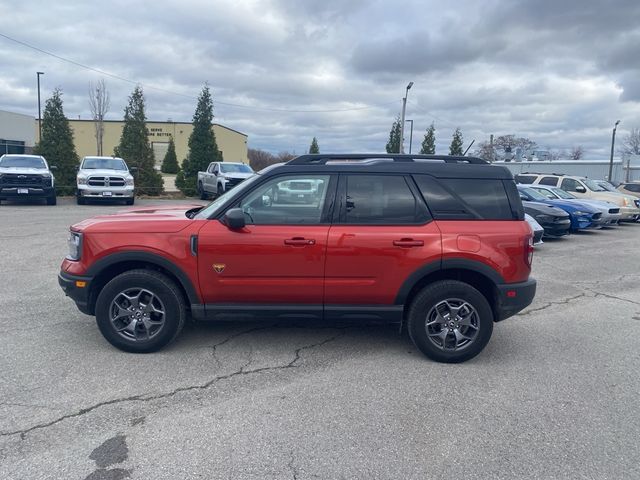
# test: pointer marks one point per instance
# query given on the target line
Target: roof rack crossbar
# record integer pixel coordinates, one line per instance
(323, 159)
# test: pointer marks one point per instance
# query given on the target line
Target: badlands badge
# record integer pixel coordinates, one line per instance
(219, 267)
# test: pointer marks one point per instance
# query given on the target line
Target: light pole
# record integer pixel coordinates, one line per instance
(404, 109)
(39, 116)
(410, 134)
(613, 141)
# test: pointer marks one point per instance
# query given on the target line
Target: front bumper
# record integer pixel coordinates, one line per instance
(629, 214)
(70, 284)
(15, 191)
(556, 229)
(514, 297)
(89, 191)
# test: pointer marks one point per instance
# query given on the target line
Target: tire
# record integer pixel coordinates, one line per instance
(80, 200)
(466, 335)
(129, 294)
(129, 201)
(203, 194)
(219, 190)
(52, 200)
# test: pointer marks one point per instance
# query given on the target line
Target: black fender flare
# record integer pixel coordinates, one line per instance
(443, 265)
(147, 257)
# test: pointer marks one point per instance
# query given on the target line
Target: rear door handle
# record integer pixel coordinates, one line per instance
(299, 241)
(408, 242)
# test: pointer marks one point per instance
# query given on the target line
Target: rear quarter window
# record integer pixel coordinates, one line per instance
(469, 198)
(525, 179)
(552, 181)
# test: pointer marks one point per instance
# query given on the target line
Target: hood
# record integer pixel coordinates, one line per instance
(601, 205)
(242, 175)
(538, 208)
(617, 198)
(26, 171)
(104, 172)
(150, 219)
(573, 205)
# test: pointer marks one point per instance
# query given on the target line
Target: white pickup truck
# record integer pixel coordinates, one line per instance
(222, 176)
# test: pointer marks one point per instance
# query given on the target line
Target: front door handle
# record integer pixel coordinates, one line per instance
(408, 242)
(299, 241)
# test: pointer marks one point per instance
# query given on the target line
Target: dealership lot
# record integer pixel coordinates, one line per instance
(554, 395)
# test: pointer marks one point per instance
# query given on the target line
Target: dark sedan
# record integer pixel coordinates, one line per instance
(555, 221)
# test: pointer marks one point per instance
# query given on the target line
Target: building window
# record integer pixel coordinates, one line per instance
(11, 146)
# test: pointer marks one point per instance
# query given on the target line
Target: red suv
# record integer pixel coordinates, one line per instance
(437, 243)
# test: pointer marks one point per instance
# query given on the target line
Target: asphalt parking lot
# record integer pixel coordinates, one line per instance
(554, 395)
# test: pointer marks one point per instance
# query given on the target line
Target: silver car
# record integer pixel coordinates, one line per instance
(104, 178)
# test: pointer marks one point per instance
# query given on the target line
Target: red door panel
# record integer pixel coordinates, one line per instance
(367, 265)
(262, 263)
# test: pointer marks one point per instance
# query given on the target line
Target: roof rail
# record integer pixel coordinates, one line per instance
(323, 159)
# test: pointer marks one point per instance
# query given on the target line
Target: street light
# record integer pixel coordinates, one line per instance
(410, 134)
(404, 109)
(39, 116)
(613, 141)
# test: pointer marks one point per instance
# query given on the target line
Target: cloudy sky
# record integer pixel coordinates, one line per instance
(283, 71)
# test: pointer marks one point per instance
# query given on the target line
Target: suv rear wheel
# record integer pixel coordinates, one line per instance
(450, 321)
(140, 311)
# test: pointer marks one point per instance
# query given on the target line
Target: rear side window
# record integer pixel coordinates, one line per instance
(381, 200)
(553, 181)
(526, 179)
(466, 198)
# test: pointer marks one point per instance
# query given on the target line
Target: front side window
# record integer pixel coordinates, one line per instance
(553, 181)
(381, 200)
(287, 200)
(570, 185)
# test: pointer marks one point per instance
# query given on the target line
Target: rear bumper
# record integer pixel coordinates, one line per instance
(80, 295)
(16, 192)
(514, 297)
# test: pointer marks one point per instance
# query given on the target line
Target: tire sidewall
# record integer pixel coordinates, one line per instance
(174, 311)
(431, 296)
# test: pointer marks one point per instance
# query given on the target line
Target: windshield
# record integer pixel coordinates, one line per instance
(593, 186)
(533, 194)
(235, 168)
(562, 194)
(103, 163)
(607, 186)
(210, 209)
(22, 161)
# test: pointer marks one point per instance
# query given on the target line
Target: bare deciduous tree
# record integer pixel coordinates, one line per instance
(99, 104)
(576, 153)
(631, 143)
(486, 151)
(259, 159)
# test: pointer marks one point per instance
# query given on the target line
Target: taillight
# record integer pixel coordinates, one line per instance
(528, 251)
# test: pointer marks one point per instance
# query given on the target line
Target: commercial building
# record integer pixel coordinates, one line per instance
(17, 134)
(231, 143)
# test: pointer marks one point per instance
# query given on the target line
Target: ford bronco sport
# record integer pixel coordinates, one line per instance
(436, 243)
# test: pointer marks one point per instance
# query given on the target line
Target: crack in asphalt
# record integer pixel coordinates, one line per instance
(608, 295)
(551, 304)
(146, 398)
(292, 467)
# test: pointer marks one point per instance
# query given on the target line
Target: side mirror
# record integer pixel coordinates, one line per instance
(581, 189)
(234, 218)
(52, 167)
(266, 201)
(133, 169)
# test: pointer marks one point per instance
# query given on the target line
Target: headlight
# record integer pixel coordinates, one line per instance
(544, 218)
(128, 181)
(74, 243)
(625, 202)
(82, 180)
(579, 213)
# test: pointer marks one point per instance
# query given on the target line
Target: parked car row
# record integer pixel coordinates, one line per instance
(562, 204)
(30, 176)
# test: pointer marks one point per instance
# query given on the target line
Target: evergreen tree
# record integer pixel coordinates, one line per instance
(393, 145)
(456, 143)
(135, 149)
(203, 148)
(314, 148)
(56, 145)
(170, 162)
(429, 142)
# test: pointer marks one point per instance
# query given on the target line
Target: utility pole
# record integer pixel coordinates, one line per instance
(613, 141)
(493, 156)
(39, 115)
(404, 109)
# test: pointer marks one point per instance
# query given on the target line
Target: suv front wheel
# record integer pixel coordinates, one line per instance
(140, 311)
(450, 321)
